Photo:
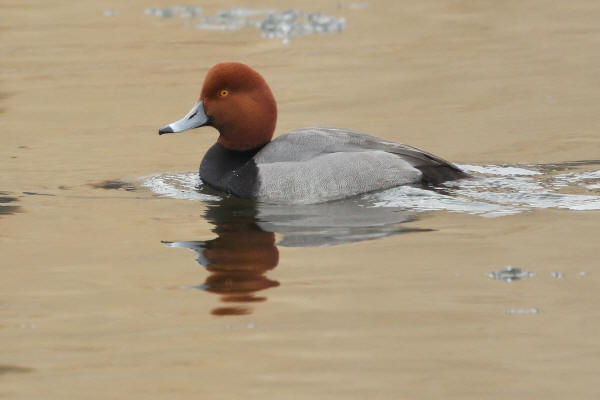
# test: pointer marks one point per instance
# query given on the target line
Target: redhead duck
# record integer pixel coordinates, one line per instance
(308, 165)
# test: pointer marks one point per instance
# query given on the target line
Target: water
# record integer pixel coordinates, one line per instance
(331, 223)
(246, 248)
(91, 296)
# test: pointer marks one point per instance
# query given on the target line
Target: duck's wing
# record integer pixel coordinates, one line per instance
(308, 143)
(330, 176)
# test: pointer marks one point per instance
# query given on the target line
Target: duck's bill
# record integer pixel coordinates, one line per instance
(194, 119)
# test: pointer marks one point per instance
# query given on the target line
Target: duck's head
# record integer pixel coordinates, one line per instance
(237, 101)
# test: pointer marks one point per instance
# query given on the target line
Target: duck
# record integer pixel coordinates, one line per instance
(305, 166)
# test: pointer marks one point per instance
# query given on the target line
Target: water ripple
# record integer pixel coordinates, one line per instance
(496, 190)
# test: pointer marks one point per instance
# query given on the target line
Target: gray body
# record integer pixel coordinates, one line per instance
(318, 164)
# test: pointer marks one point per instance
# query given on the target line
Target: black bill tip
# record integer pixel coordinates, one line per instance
(165, 129)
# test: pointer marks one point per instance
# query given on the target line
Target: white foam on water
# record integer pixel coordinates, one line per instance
(495, 191)
(185, 186)
(586, 178)
(516, 188)
(574, 177)
(498, 170)
(417, 199)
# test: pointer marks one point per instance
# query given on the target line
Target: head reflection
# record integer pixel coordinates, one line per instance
(238, 258)
(244, 250)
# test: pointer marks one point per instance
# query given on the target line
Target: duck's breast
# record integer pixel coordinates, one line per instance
(230, 171)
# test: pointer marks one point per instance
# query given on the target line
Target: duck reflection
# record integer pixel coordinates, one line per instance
(244, 250)
(8, 209)
(238, 258)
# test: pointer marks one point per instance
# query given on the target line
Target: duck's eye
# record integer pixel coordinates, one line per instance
(224, 93)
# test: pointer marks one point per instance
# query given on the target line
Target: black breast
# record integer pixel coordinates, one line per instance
(230, 171)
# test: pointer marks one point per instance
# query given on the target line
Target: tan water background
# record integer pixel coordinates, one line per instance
(93, 305)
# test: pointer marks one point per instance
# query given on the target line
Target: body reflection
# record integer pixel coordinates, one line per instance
(245, 250)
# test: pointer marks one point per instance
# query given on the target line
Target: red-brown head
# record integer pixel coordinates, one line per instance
(237, 101)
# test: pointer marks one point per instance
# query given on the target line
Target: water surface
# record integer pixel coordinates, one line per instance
(387, 295)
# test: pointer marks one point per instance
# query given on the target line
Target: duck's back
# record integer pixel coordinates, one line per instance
(319, 164)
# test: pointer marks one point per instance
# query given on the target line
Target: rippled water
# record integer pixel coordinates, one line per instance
(496, 190)
(245, 249)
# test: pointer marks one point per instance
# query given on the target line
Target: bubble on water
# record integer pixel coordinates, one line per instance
(283, 25)
(509, 274)
(231, 19)
(291, 23)
(358, 6)
(181, 11)
(522, 311)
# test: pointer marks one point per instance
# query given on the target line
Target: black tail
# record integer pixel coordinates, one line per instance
(436, 174)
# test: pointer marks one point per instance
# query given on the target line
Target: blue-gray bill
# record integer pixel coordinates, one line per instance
(194, 119)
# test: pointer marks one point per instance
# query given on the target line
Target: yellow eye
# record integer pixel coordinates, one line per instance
(224, 93)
